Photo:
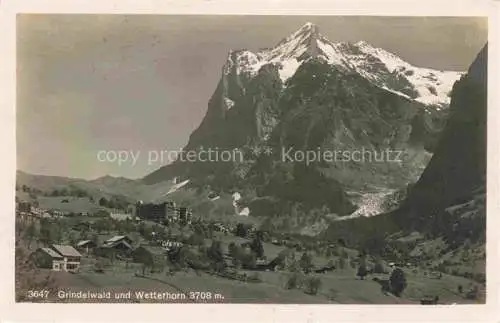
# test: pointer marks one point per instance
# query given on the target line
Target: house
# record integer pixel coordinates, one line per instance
(276, 242)
(72, 257)
(58, 258)
(86, 246)
(283, 260)
(263, 264)
(46, 215)
(37, 210)
(113, 241)
(122, 245)
(48, 258)
(59, 213)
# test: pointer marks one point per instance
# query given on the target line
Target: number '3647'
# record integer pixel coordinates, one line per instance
(38, 293)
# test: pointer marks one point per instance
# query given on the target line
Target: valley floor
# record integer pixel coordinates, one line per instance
(337, 287)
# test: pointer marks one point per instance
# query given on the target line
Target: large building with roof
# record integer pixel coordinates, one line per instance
(166, 212)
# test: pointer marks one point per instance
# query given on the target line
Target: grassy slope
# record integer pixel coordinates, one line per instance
(342, 284)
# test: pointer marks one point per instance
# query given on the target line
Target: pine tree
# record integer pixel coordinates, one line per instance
(341, 263)
(103, 202)
(30, 233)
(362, 272)
(306, 262)
(257, 247)
(398, 281)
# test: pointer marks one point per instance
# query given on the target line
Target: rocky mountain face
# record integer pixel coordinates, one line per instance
(308, 93)
(448, 202)
(456, 175)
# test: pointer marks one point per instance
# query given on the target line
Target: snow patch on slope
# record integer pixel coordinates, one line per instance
(236, 197)
(177, 187)
(244, 212)
(237, 209)
(229, 103)
(288, 69)
(332, 51)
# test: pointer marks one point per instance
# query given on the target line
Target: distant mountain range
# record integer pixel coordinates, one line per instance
(105, 186)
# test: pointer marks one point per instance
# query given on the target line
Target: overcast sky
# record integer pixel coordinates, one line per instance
(88, 83)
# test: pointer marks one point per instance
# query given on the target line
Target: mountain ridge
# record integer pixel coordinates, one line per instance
(428, 86)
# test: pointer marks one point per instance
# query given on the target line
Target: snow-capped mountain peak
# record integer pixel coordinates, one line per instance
(308, 30)
(382, 68)
(297, 44)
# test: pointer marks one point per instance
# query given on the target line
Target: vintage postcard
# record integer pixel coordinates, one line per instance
(272, 158)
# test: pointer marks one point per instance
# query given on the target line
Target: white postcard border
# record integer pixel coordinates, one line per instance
(11, 312)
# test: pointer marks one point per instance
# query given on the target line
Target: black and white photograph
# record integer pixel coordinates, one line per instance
(251, 159)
